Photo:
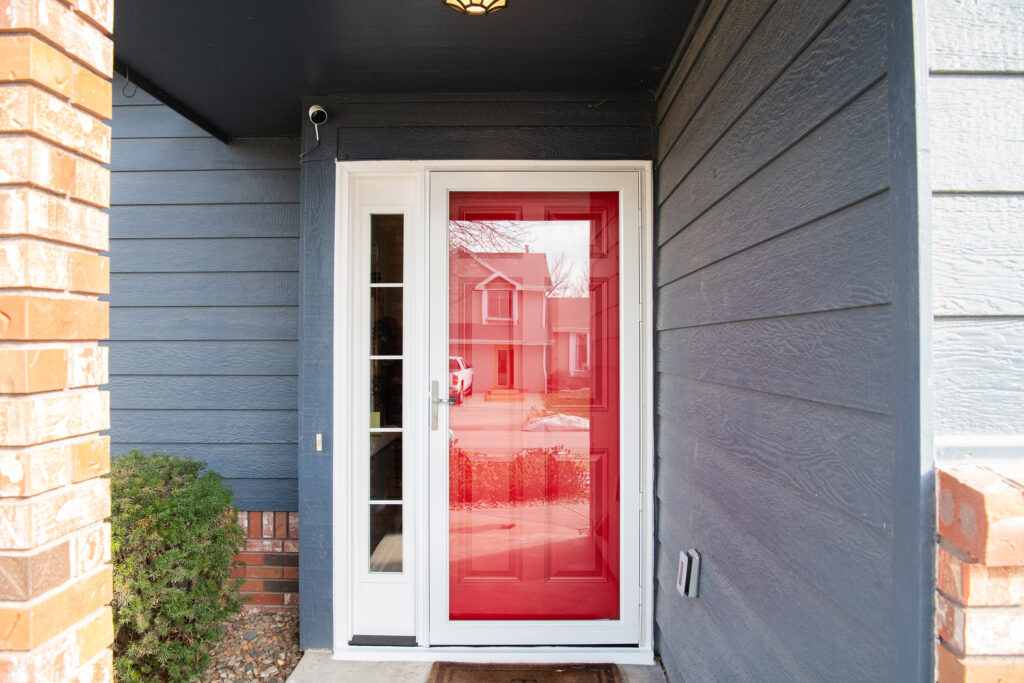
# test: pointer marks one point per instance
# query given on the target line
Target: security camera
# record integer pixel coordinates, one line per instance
(317, 115)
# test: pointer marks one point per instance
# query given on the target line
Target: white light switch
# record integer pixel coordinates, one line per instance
(319, 442)
(684, 571)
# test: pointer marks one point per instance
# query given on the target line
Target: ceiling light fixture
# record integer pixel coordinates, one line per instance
(476, 6)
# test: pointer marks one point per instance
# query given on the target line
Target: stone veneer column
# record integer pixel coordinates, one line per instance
(56, 61)
(979, 611)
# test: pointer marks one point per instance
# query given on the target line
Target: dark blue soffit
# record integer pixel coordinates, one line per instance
(241, 67)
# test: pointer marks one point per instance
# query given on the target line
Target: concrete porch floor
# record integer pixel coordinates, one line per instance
(317, 666)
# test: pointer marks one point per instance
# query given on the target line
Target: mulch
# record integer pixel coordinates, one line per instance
(256, 647)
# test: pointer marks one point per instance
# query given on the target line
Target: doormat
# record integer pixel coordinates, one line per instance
(458, 672)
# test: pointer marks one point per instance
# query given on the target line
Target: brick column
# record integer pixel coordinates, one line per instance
(55, 578)
(979, 608)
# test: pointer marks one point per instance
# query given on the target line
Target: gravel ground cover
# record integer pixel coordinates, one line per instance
(256, 647)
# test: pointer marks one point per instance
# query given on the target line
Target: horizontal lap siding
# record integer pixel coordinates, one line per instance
(204, 299)
(975, 95)
(774, 344)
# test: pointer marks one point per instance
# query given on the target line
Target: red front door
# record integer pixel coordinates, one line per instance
(533, 513)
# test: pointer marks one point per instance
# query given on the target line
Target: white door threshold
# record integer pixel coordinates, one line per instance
(532, 655)
(318, 666)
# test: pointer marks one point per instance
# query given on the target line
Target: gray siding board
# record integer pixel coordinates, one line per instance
(840, 261)
(207, 255)
(204, 298)
(845, 58)
(237, 461)
(199, 323)
(204, 187)
(205, 393)
(495, 142)
(836, 454)
(738, 22)
(775, 347)
(203, 358)
(800, 185)
(206, 153)
(517, 111)
(204, 289)
(204, 221)
(265, 494)
(152, 121)
(836, 357)
(694, 40)
(205, 426)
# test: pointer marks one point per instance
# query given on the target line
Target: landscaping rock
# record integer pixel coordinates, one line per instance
(256, 647)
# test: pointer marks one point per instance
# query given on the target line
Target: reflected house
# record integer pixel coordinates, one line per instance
(502, 327)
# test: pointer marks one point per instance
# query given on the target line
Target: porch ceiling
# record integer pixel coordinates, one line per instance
(243, 66)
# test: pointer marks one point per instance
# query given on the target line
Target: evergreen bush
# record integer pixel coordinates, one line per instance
(174, 539)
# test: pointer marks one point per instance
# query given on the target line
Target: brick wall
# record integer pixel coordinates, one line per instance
(271, 560)
(980, 575)
(55, 576)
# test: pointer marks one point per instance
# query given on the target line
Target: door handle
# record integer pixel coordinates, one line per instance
(435, 401)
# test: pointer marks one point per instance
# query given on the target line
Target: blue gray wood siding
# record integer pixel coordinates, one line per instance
(775, 338)
(204, 298)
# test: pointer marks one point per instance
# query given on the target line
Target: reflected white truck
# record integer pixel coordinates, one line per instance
(460, 379)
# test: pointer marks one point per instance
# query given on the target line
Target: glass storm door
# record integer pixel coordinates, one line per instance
(534, 463)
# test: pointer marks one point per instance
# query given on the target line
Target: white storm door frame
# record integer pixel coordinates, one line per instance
(635, 528)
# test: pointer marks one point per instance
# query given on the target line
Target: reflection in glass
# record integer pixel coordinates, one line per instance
(385, 538)
(534, 456)
(386, 393)
(386, 466)
(386, 314)
(386, 247)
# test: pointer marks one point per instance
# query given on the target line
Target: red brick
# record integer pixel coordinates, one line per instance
(91, 92)
(27, 625)
(98, 670)
(281, 525)
(96, 634)
(24, 576)
(243, 521)
(25, 371)
(100, 12)
(29, 109)
(28, 318)
(27, 160)
(237, 572)
(982, 512)
(268, 525)
(250, 558)
(263, 572)
(291, 598)
(266, 598)
(32, 212)
(39, 418)
(974, 584)
(33, 471)
(290, 573)
(90, 458)
(263, 546)
(980, 630)
(63, 27)
(255, 524)
(290, 546)
(87, 365)
(952, 669)
(251, 585)
(27, 58)
(293, 525)
(30, 522)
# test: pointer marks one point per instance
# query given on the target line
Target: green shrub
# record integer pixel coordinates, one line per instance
(174, 538)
